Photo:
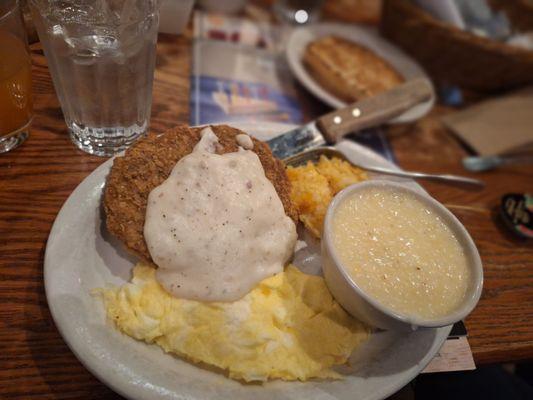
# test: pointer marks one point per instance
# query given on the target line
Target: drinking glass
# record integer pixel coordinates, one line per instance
(15, 78)
(101, 55)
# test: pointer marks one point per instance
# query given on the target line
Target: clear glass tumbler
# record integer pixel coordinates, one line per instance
(15, 78)
(101, 55)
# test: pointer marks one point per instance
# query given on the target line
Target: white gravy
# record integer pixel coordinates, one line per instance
(244, 141)
(216, 227)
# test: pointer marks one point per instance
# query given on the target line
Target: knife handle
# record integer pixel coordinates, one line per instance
(374, 110)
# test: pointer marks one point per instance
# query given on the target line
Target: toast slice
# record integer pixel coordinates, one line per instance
(348, 70)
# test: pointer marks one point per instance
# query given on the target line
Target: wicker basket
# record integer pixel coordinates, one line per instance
(520, 12)
(358, 11)
(454, 56)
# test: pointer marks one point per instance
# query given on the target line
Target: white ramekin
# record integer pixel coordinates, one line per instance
(367, 309)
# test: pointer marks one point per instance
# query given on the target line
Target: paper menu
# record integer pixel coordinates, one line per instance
(239, 31)
(230, 83)
(455, 354)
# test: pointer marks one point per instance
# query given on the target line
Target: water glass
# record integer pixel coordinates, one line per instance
(15, 78)
(101, 55)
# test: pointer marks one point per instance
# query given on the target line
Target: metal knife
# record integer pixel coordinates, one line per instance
(365, 113)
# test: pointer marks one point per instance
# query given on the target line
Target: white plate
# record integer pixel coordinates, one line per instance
(80, 256)
(368, 37)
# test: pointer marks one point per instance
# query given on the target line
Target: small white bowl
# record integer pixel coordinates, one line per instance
(367, 309)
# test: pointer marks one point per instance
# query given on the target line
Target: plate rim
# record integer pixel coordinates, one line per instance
(123, 386)
(298, 69)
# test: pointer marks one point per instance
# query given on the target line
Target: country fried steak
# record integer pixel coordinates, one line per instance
(149, 162)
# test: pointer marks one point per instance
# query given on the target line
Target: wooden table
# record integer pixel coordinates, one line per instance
(37, 178)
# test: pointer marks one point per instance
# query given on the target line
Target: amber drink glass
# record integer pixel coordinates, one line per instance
(16, 107)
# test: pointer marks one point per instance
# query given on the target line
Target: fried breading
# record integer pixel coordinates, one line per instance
(149, 162)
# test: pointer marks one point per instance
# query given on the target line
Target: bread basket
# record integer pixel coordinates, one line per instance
(454, 56)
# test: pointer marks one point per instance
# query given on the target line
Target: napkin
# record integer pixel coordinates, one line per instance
(499, 126)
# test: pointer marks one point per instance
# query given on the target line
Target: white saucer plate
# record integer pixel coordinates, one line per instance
(365, 36)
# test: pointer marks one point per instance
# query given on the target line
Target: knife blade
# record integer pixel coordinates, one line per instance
(372, 111)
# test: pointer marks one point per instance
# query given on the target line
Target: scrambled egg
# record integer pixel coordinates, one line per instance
(313, 188)
(288, 327)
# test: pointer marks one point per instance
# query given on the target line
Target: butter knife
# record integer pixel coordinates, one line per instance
(332, 127)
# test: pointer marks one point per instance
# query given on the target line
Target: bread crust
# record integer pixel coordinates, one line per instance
(348, 70)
